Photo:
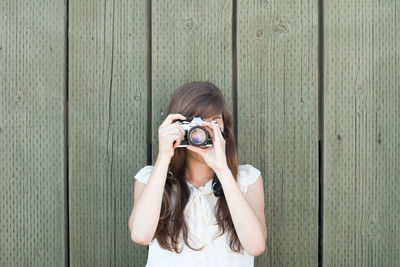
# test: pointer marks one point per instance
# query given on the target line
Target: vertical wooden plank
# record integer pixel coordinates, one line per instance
(362, 128)
(32, 143)
(277, 50)
(191, 41)
(107, 114)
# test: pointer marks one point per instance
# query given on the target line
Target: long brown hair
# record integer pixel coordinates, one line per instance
(195, 99)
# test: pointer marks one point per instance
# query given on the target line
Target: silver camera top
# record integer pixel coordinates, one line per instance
(195, 121)
(196, 134)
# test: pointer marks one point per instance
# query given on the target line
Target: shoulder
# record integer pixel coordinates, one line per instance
(144, 173)
(247, 174)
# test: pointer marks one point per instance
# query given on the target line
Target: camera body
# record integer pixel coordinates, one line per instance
(195, 134)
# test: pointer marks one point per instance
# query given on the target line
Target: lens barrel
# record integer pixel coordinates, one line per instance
(197, 136)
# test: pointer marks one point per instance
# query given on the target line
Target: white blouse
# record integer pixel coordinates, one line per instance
(202, 226)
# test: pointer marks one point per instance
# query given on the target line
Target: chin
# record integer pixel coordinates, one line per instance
(195, 156)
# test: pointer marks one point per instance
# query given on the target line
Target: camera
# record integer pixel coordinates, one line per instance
(195, 134)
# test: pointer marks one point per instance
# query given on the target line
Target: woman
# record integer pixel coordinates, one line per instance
(178, 207)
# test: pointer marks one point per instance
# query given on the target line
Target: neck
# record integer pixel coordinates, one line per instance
(198, 173)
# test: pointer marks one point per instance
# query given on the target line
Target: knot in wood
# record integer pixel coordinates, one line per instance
(188, 24)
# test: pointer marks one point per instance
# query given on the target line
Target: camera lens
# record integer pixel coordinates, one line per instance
(197, 136)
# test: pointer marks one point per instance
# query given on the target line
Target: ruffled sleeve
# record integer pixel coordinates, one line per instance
(144, 174)
(247, 174)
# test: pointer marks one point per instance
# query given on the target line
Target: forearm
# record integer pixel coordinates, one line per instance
(147, 211)
(247, 225)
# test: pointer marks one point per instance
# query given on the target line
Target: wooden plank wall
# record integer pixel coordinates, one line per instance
(107, 128)
(191, 41)
(361, 130)
(66, 172)
(277, 73)
(32, 133)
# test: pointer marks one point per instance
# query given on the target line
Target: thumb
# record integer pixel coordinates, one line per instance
(177, 143)
(196, 149)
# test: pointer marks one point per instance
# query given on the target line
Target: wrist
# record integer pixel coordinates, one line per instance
(164, 158)
(221, 171)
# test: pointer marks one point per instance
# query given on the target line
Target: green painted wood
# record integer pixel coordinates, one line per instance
(191, 41)
(32, 133)
(108, 50)
(361, 133)
(277, 67)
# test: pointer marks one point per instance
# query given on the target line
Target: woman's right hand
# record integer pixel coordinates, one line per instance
(168, 133)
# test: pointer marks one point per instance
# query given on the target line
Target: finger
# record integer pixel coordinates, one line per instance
(175, 131)
(175, 125)
(177, 143)
(215, 133)
(171, 117)
(179, 140)
(219, 138)
(178, 126)
(175, 139)
(197, 150)
(219, 131)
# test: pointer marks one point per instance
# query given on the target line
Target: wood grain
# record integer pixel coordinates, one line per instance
(32, 133)
(263, 55)
(361, 133)
(191, 41)
(277, 67)
(108, 46)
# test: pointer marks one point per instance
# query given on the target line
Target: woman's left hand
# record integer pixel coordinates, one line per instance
(214, 156)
